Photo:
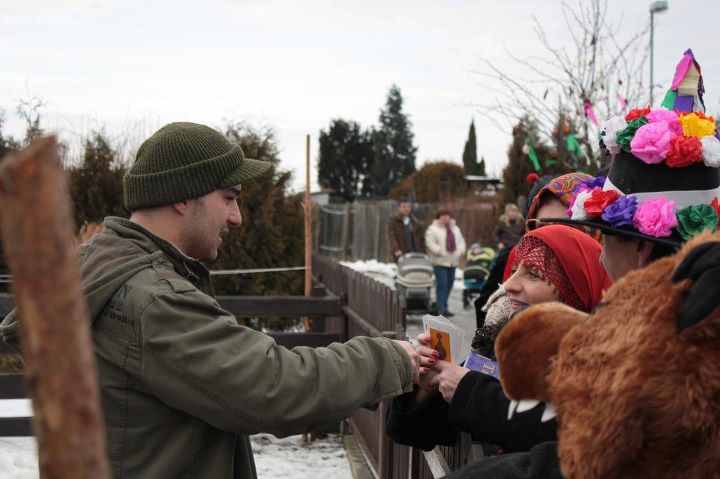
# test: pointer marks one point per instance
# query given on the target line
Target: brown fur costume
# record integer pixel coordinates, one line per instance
(634, 397)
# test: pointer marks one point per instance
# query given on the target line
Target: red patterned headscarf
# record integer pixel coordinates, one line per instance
(569, 260)
(562, 187)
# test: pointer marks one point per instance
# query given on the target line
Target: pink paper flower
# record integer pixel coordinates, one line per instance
(670, 117)
(651, 142)
(655, 217)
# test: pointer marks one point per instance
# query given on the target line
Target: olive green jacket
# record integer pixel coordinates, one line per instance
(183, 384)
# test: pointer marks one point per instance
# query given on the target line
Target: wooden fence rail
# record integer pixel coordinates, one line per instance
(12, 386)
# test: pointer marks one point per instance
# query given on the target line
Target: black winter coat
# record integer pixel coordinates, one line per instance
(479, 407)
(541, 462)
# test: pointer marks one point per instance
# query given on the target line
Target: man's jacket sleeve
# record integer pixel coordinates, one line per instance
(393, 244)
(196, 358)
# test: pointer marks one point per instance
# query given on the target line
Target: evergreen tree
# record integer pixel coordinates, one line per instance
(470, 153)
(96, 183)
(7, 144)
(393, 149)
(345, 158)
(481, 167)
(271, 231)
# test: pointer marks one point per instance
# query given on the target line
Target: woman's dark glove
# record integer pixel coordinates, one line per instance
(702, 266)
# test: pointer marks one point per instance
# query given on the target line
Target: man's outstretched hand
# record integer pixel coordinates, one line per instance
(422, 358)
(702, 267)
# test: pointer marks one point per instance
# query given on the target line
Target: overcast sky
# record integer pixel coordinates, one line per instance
(132, 66)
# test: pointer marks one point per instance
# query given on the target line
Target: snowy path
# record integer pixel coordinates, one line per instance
(287, 457)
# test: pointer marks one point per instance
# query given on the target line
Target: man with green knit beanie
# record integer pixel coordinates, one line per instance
(182, 383)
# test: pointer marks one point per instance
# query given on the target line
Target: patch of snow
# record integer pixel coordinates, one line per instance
(381, 272)
(372, 266)
(18, 458)
(16, 408)
(287, 457)
(385, 272)
(290, 458)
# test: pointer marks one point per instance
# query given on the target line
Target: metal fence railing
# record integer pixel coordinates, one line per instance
(359, 230)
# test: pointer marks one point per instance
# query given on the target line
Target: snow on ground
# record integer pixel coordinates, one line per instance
(18, 458)
(287, 457)
(15, 408)
(18, 455)
(381, 272)
(385, 272)
(290, 458)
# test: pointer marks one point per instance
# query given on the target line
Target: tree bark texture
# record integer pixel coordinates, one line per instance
(36, 223)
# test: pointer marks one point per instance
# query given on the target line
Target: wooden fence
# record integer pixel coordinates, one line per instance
(359, 230)
(373, 309)
(12, 386)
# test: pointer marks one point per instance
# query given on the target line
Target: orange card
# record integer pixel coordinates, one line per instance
(440, 342)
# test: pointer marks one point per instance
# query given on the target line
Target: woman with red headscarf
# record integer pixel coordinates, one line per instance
(557, 264)
(553, 263)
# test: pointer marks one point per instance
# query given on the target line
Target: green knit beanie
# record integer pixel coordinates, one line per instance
(183, 161)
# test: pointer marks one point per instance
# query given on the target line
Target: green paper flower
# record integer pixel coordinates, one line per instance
(624, 137)
(696, 219)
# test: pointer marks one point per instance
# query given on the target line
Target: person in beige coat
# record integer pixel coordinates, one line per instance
(445, 245)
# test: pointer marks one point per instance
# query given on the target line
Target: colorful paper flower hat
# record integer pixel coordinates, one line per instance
(664, 182)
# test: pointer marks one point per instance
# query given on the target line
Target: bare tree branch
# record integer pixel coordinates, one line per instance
(598, 68)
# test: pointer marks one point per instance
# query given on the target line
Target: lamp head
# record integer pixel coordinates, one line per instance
(658, 6)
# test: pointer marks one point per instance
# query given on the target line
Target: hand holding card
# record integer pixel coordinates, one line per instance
(445, 337)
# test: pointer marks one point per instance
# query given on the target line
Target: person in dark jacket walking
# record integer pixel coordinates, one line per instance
(405, 233)
(182, 383)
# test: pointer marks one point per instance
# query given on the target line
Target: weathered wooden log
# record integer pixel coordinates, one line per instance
(37, 229)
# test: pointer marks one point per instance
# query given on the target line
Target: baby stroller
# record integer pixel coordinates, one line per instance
(414, 280)
(478, 263)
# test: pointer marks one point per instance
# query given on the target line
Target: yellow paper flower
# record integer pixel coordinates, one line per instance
(693, 125)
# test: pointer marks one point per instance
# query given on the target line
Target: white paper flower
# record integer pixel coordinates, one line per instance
(711, 151)
(611, 128)
(578, 208)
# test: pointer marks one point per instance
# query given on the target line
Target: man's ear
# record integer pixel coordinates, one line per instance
(644, 249)
(181, 207)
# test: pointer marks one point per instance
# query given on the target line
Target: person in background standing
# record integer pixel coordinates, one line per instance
(405, 233)
(445, 245)
(510, 228)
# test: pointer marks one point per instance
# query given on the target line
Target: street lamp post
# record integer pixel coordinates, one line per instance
(655, 7)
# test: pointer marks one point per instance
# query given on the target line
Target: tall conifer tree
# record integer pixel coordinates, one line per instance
(345, 158)
(470, 152)
(393, 149)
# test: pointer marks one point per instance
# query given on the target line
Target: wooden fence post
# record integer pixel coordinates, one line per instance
(345, 230)
(378, 234)
(37, 228)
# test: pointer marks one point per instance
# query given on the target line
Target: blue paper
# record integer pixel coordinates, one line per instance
(482, 364)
